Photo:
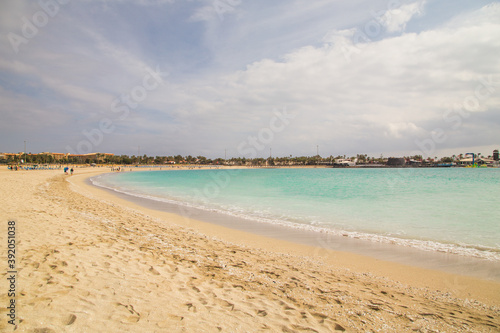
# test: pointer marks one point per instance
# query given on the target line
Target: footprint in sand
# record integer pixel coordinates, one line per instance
(69, 320)
(261, 313)
(191, 307)
(319, 316)
(43, 330)
(339, 328)
(154, 271)
(175, 317)
(130, 320)
(225, 303)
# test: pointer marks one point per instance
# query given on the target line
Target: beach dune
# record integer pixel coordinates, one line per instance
(90, 262)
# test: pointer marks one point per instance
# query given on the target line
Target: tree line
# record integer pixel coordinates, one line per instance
(202, 160)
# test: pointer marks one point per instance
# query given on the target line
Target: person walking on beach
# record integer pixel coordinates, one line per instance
(66, 170)
(71, 171)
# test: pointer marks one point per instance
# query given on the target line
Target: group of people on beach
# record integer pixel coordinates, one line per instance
(66, 171)
(15, 167)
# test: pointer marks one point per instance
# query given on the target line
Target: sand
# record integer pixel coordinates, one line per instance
(88, 261)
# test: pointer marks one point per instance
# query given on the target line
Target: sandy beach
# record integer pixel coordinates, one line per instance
(89, 261)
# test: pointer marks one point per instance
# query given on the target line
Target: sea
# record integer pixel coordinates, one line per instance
(447, 210)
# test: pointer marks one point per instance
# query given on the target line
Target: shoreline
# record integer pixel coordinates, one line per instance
(91, 261)
(448, 262)
(382, 264)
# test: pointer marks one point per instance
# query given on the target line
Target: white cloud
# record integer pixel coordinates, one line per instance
(391, 89)
(395, 20)
(400, 130)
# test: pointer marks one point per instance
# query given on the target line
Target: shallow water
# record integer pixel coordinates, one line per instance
(451, 210)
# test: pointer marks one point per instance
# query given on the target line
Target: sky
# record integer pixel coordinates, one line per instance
(241, 78)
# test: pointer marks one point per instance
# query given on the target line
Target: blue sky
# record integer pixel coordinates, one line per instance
(202, 77)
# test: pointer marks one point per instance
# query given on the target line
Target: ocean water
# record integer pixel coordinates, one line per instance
(454, 210)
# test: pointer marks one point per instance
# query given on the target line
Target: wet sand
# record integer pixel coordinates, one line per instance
(92, 261)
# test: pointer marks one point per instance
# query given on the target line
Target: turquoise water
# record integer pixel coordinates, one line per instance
(440, 209)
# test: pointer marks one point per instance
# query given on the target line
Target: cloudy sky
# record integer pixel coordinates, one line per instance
(202, 77)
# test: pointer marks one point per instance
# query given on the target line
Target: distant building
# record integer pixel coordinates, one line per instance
(466, 161)
(396, 161)
(495, 155)
(91, 157)
(478, 161)
(344, 162)
(5, 156)
(48, 157)
(56, 156)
